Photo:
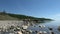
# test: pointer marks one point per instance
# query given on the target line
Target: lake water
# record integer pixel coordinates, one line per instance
(53, 24)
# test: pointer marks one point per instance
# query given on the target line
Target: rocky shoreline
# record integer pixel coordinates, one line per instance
(21, 27)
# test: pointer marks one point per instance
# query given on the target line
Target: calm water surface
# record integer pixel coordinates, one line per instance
(53, 24)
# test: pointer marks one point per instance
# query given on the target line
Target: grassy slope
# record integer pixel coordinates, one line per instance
(27, 17)
(6, 17)
(9, 16)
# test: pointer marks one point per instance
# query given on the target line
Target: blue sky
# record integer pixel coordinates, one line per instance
(36, 8)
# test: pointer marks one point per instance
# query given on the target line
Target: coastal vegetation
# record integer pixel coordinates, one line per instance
(10, 16)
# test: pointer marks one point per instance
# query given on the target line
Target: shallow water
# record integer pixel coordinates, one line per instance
(53, 25)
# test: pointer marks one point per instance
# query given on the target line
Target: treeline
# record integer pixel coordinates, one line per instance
(21, 17)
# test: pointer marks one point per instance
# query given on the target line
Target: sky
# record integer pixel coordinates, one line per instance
(36, 8)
